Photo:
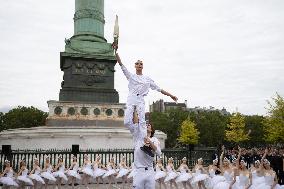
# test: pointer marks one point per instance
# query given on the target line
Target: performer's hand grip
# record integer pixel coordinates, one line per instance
(135, 116)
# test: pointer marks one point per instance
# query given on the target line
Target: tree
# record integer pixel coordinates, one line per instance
(169, 122)
(23, 117)
(274, 122)
(211, 125)
(161, 122)
(255, 124)
(236, 129)
(188, 132)
(1, 120)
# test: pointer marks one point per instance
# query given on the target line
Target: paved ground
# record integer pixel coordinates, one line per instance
(101, 186)
(91, 186)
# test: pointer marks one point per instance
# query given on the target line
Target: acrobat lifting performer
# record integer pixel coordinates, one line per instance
(139, 86)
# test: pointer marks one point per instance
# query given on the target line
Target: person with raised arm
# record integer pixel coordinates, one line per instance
(139, 85)
(213, 171)
(226, 171)
(244, 180)
(144, 175)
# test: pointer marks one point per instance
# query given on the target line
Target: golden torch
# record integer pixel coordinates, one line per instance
(115, 34)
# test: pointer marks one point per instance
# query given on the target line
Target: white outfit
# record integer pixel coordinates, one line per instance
(198, 176)
(110, 171)
(242, 182)
(144, 175)
(183, 176)
(138, 86)
(159, 173)
(98, 172)
(225, 184)
(132, 171)
(9, 180)
(269, 180)
(87, 169)
(36, 176)
(74, 171)
(170, 174)
(48, 174)
(122, 171)
(214, 179)
(256, 180)
(60, 173)
(24, 177)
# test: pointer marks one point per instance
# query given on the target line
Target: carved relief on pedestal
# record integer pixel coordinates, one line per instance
(59, 110)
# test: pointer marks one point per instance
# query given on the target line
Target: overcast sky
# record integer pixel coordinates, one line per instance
(222, 53)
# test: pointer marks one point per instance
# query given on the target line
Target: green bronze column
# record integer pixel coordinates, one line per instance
(89, 19)
(88, 60)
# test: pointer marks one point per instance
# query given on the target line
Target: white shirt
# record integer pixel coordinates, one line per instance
(139, 84)
(141, 159)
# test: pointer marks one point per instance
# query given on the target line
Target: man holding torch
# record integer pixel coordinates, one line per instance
(134, 120)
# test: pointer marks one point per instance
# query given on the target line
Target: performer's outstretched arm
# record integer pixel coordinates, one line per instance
(124, 69)
(169, 94)
(154, 86)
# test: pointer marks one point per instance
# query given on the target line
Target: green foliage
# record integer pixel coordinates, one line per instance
(1, 120)
(274, 122)
(22, 117)
(169, 123)
(211, 125)
(235, 131)
(188, 132)
(254, 123)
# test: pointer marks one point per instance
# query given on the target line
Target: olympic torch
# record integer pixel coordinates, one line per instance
(115, 34)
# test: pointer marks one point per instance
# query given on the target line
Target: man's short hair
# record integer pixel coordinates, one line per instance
(139, 61)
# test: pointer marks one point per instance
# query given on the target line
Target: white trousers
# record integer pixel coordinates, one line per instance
(144, 179)
(140, 108)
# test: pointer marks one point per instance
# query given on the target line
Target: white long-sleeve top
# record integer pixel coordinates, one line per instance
(141, 159)
(139, 85)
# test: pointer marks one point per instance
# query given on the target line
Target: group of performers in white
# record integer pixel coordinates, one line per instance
(221, 174)
(90, 172)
